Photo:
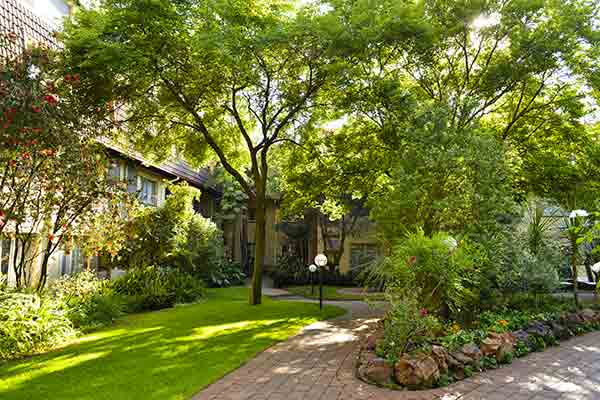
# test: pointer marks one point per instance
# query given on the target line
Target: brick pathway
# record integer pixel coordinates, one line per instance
(318, 364)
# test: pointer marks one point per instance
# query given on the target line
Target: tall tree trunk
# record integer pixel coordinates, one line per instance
(574, 269)
(259, 249)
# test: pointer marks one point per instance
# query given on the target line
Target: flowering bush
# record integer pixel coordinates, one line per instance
(49, 154)
(407, 325)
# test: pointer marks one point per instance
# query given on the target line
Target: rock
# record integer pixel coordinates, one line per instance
(498, 345)
(490, 345)
(589, 316)
(540, 329)
(469, 354)
(373, 340)
(441, 357)
(420, 371)
(375, 369)
(572, 320)
(523, 337)
(560, 331)
(472, 351)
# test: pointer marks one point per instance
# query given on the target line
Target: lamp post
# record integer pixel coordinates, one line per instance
(321, 262)
(312, 268)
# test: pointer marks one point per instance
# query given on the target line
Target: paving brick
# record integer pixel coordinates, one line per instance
(318, 364)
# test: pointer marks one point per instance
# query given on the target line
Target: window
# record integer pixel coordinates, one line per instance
(114, 171)
(4, 256)
(70, 262)
(251, 214)
(362, 254)
(149, 191)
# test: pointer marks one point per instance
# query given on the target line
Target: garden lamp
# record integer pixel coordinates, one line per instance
(312, 268)
(321, 262)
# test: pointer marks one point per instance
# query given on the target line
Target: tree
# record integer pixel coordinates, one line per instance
(232, 79)
(322, 176)
(523, 69)
(52, 171)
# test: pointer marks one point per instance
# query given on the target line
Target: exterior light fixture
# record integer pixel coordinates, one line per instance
(321, 262)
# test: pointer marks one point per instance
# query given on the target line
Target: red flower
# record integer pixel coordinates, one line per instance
(411, 260)
(50, 99)
(36, 130)
(36, 109)
(67, 78)
(76, 78)
(25, 155)
(51, 237)
(423, 312)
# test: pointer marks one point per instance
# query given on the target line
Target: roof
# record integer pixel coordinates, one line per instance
(199, 177)
(26, 26)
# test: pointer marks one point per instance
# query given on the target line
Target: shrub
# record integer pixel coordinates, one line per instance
(407, 325)
(291, 271)
(154, 288)
(173, 235)
(440, 271)
(90, 302)
(225, 274)
(31, 323)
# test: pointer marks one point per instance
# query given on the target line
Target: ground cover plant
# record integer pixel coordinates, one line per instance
(169, 354)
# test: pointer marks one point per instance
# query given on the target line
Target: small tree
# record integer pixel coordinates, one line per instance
(51, 169)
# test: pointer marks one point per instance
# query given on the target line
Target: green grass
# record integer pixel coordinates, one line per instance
(332, 293)
(170, 354)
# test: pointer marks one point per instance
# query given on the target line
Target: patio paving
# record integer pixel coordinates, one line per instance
(318, 364)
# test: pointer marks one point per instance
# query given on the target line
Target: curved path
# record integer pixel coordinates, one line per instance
(318, 364)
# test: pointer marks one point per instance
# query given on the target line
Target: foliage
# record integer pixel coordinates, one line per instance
(225, 274)
(254, 66)
(89, 302)
(31, 323)
(509, 266)
(217, 336)
(154, 288)
(173, 235)
(437, 269)
(407, 324)
(52, 169)
(443, 180)
(291, 271)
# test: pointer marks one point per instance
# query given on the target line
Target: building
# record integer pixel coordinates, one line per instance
(35, 21)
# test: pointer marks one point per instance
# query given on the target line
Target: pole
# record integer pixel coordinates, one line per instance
(312, 284)
(320, 288)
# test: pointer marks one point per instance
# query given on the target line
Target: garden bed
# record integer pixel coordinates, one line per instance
(440, 364)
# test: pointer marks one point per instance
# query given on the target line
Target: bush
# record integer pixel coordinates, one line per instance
(440, 271)
(89, 301)
(407, 325)
(173, 235)
(225, 274)
(291, 271)
(154, 288)
(31, 323)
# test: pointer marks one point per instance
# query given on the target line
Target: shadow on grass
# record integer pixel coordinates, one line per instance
(163, 355)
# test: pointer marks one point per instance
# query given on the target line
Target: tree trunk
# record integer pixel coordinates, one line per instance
(574, 269)
(259, 250)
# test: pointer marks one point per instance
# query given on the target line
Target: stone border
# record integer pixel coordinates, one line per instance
(423, 371)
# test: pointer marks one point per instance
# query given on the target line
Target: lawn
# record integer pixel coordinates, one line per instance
(332, 293)
(170, 354)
